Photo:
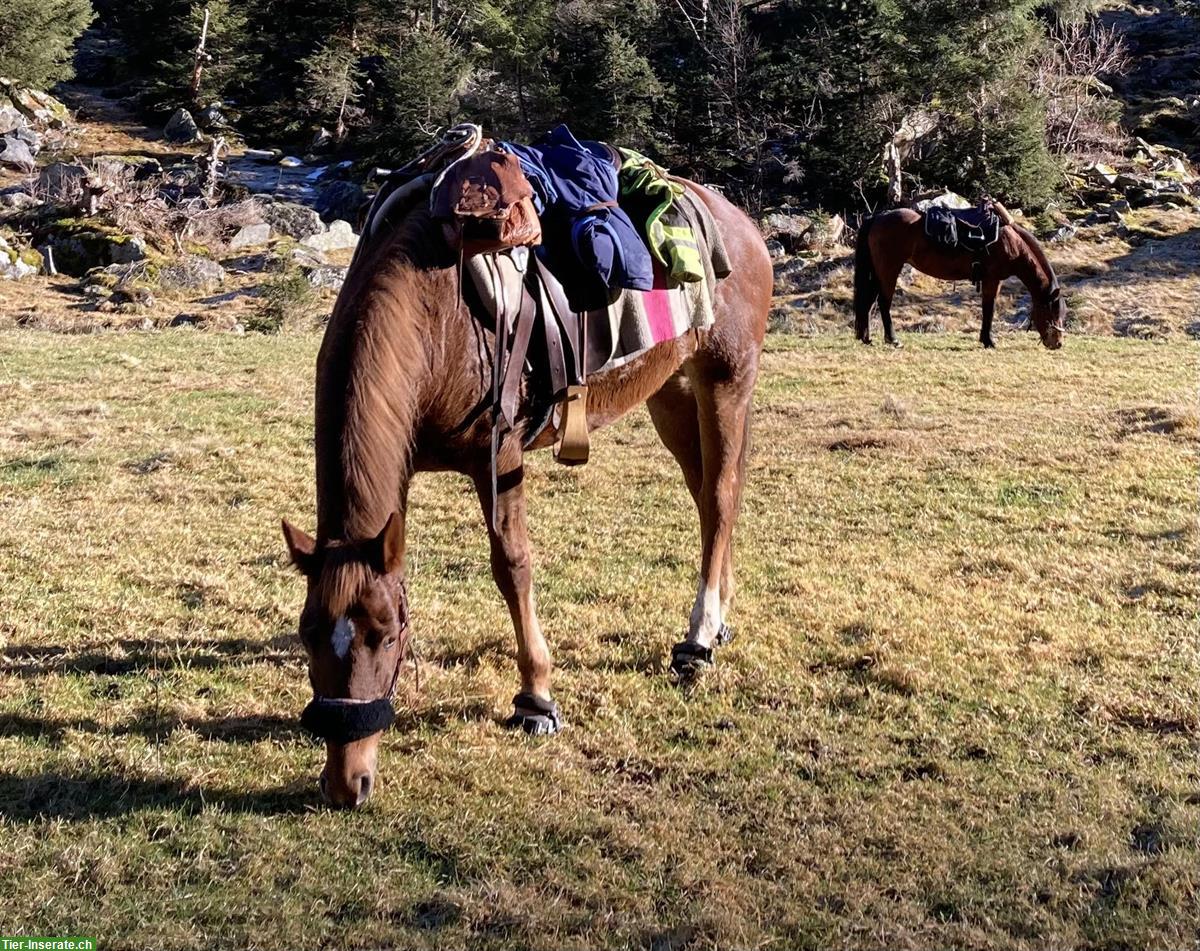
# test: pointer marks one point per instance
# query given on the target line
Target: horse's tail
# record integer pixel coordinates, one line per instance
(866, 282)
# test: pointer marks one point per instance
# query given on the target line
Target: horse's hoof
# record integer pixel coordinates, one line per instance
(866, 341)
(895, 343)
(688, 659)
(724, 636)
(534, 716)
(988, 344)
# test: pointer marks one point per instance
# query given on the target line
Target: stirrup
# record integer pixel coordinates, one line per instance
(572, 446)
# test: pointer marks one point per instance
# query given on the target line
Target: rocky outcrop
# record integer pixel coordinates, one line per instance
(79, 245)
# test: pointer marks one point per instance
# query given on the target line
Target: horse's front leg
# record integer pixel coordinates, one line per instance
(990, 290)
(533, 710)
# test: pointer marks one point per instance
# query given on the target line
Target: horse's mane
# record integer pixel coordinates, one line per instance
(374, 360)
(1036, 250)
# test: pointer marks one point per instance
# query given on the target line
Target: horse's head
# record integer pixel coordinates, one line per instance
(1050, 316)
(355, 629)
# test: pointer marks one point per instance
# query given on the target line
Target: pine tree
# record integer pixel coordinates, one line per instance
(38, 39)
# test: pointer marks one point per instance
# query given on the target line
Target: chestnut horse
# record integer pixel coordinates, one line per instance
(892, 239)
(402, 367)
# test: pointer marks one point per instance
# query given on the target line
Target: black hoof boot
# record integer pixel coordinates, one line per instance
(689, 659)
(724, 636)
(533, 715)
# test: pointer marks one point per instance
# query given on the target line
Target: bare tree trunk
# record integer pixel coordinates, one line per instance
(199, 59)
(894, 172)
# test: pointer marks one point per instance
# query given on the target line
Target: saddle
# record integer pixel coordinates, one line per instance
(970, 230)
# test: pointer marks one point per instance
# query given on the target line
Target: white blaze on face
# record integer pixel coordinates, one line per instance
(343, 636)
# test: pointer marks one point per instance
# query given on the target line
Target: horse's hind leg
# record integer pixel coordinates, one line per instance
(676, 417)
(512, 568)
(722, 391)
(887, 290)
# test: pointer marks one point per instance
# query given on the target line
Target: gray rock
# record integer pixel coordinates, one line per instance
(211, 117)
(786, 228)
(825, 233)
(123, 252)
(62, 182)
(340, 236)
(191, 273)
(12, 268)
(307, 257)
(11, 119)
(1065, 233)
(251, 235)
(775, 249)
(181, 128)
(290, 161)
(185, 320)
(331, 276)
(946, 199)
(17, 199)
(15, 153)
(292, 220)
(344, 200)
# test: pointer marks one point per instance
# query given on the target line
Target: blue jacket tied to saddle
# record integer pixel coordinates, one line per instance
(575, 191)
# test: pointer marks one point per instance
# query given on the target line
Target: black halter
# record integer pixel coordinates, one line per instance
(343, 720)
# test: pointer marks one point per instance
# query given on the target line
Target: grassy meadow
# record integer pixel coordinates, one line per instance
(962, 710)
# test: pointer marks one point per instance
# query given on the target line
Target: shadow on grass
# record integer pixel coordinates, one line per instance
(54, 795)
(140, 654)
(249, 729)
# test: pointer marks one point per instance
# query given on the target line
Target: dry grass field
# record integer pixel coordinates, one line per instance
(963, 708)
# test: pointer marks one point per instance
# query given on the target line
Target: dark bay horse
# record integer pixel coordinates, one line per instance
(888, 241)
(402, 366)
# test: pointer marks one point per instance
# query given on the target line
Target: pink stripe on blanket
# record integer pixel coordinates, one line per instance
(657, 303)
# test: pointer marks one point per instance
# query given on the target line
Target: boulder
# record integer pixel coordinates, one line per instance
(250, 235)
(825, 233)
(1101, 174)
(191, 273)
(786, 228)
(344, 200)
(11, 119)
(322, 140)
(62, 182)
(331, 276)
(17, 199)
(775, 249)
(292, 220)
(181, 128)
(16, 265)
(40, 108)
(211, 117)
(340, 236)
(946, 199)
(15, 153)
(290, 161)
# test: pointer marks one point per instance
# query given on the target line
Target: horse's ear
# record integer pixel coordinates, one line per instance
(302, 547)
(1055, 294)
(389, 545)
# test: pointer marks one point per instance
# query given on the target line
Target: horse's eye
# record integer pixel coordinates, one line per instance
(389, 643)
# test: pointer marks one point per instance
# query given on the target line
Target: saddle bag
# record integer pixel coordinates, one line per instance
(485, 203)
